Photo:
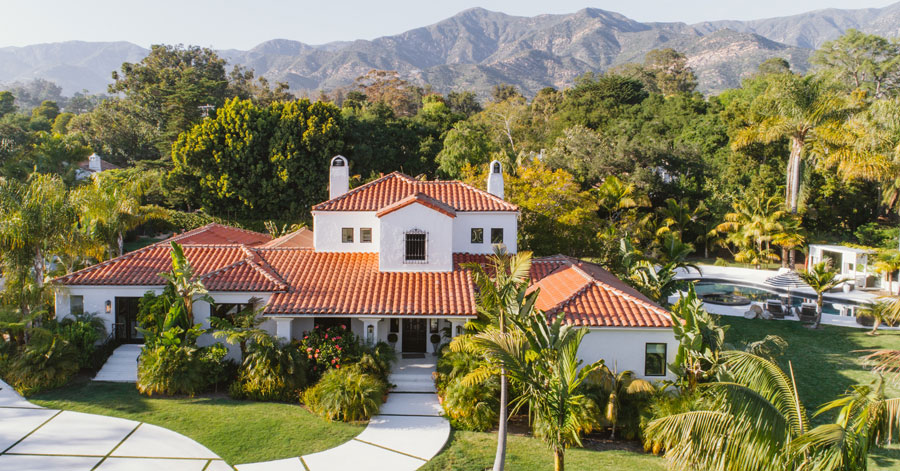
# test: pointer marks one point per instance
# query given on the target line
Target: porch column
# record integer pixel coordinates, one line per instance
(457, 327)
(370, 330)
(283, 327)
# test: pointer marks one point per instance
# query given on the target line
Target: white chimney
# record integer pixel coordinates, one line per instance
(495, 179)
(94, 163)
(339, 182)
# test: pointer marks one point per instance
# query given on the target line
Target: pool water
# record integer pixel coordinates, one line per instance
(757, 294)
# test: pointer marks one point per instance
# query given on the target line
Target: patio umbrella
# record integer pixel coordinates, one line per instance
(788, 280)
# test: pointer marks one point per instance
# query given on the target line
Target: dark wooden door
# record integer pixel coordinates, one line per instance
(414, 333)
(126, 320)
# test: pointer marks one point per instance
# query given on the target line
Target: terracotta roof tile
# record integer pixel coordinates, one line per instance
(214, 233)
(385, 191)
(299, 239)
(420, 198)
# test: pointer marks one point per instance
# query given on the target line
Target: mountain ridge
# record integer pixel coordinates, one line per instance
(478, 48)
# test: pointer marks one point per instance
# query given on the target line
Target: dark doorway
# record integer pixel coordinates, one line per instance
(414, 333)
(329, 322)
(126, 320)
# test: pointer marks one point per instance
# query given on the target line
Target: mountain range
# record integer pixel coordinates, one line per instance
(477, 49)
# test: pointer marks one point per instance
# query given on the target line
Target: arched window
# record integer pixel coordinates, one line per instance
(415, 242)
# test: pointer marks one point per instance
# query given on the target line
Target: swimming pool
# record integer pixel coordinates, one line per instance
(759, 294)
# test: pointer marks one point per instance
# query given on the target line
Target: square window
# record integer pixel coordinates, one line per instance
(497, 235)
(347, 235)
(477, 235)
(415, 246)
(365, 234)
(655, 359)
(76, 304)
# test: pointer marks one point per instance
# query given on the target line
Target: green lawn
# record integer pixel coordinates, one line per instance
(475, 451)
(238, 431)
(825, 363)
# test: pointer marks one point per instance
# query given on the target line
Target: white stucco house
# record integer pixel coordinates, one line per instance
(383, 258)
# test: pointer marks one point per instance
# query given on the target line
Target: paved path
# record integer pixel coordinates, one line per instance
(121, 367)
(407, 433)
(36, 439)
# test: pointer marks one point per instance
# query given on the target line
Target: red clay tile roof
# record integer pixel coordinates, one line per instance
(350, 283)
(299, 239)
(389, 189)
(588, 295)
(420, 198)
(219, 234)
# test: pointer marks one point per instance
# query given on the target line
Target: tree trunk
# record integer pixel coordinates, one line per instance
(559, 457)
(500, 457)
(39, 268)
(819, 301)
(121, 241)
(792, 199)
(785, 257)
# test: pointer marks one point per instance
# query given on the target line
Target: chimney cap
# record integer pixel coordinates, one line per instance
(339, 161)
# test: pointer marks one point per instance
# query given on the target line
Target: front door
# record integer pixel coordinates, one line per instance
(126, 320)
(414, 333)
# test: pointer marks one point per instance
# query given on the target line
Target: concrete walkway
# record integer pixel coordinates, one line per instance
(36, 439)
(407, 433)
(121, 367)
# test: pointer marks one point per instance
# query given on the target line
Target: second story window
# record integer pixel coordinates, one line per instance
(415, 246)
(477, 235)
(347, 235)
(497, 235)
(365, 234)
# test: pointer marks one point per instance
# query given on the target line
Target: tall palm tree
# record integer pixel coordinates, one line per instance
(501, 284)
(186, 286)
(542, 358)
(820, 278)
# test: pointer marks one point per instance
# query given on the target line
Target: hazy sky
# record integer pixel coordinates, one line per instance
(225, 24)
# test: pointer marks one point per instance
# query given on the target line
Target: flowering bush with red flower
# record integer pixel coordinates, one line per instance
(329, 347)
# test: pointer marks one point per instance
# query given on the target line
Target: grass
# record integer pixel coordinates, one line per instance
(475, 451)
(238, 431)
(825, 364)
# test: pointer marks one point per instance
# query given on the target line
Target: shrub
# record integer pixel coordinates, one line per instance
(48, 361)
(472, 407)
(271, 371)
(345, 394)
(330, 347)
(377, 361)
(176, 369)
(453, 365)
(83, 332)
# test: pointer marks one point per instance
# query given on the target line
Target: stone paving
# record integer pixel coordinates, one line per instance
(36, 439)
(407, 433)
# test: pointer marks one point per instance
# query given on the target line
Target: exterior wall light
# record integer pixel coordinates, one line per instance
(108, 306)
(459, 330)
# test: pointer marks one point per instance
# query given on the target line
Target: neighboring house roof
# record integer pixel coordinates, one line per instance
(214, 233)
(300, 239)
(389, 189)
(104, 165)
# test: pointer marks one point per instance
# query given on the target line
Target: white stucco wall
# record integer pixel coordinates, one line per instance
(623, 349)
(327, 227)
(95, 298)
(439, 241)
(465, 221)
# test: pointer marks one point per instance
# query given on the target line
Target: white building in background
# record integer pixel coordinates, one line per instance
(94, 164)
(386, 259)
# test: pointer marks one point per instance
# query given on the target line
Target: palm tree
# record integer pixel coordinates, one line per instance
(183, 282)
(880, 311)
(888, 262)
(820, 278)
(751, 226)
(614, 196)
(755, 420)
(109, 208)
(242, 327)
(501, 284)
(618, 387)
(542, 358)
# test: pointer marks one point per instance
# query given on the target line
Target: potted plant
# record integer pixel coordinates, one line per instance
(392, 339)
(435, 340)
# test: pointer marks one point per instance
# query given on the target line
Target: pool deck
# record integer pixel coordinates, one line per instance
(757, 278)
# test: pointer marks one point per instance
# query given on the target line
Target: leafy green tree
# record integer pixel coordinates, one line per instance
(119, 130)
(48, 110)
(862, 61)
(668, 72)
(596, 99)
(242, 86)
(699, 338)
(186, 286)
(259, 163)
(751, 226)
(7, 103)
(504, 91)
(774, 65)
(386, 86)
(170, 84)
(466, 143)
(465, 103)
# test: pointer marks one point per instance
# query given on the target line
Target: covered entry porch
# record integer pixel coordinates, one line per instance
(407, 334)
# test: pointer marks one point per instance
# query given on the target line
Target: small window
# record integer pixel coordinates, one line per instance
(415, 246)
(347, 235)
(497, 235)
(655, 359)
(477, 235)
(365, 234)
(395, 325)
(76, 304)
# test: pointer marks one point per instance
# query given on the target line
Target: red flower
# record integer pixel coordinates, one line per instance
(337, 366)
(308, 349)
(343, 326)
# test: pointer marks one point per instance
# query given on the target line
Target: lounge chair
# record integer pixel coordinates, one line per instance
(807, 312)
(775, 307)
